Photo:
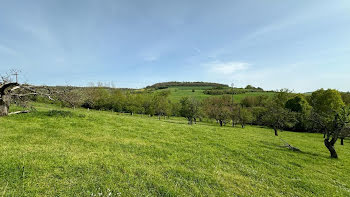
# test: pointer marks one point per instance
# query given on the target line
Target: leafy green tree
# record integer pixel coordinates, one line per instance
(281, 97)
(326, 101)
(346, 98)
(189, 108)
(249, 87)
(218, 108)
(258, 115)
(147, 104)
(97, 98)
(276, 115)
(344, 134)
(161, 103)
(175, 109)
(131, 106)
(118, 100)
(234, 114)
(245, 116)
(329, 115)
(302, 108)
(250, 101)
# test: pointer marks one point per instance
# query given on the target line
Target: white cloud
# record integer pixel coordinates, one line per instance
(227, 68)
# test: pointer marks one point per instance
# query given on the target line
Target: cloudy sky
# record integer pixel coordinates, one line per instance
(296, 44)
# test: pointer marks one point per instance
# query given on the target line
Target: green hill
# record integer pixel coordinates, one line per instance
(96, 153)
(176, 93)
(165, 85)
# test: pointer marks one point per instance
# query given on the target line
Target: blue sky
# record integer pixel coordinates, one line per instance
(296, 44)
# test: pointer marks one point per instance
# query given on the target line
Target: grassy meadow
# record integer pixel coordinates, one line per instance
(176, 93)
(98, 153)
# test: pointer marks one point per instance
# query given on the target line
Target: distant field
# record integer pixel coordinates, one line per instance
(97, 153)
(178, 92)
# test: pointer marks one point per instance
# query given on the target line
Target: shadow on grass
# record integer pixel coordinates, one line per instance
(274, 146)
(198, 123)
(50, 113)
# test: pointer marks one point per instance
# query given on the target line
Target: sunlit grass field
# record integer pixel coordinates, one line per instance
(96, 153)
(176, 93)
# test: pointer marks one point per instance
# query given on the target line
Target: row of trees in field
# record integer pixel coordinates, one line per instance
(223, 91)
(165, 85)
(323, 111)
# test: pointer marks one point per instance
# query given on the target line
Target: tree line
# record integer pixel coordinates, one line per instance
(165, 85)
(323, 111)
(225, 90)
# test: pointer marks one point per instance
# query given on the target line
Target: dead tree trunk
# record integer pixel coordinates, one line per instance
(5, 97)
(330, 147)
(4, 105)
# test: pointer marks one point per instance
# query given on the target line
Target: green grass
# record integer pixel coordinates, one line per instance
(178, 92)
(96, 153)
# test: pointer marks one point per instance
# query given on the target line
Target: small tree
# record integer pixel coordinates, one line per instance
(189, 108)
(161, 104)
(245, 116)
(278, 117)
(302, 108)
(71, 97)
(218, 108)
(234, 114)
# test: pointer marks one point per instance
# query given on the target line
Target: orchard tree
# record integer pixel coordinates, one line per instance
(330, 116)
(302, 109)
(234, 114)
(278, 118)
(71, 97)
(189, 108)
(6, 93)
(15, 92)
(218, 108)
(276, 115)
(161, 103)
(244, 116)
(344, 134)
(118, 100)
(148, 104)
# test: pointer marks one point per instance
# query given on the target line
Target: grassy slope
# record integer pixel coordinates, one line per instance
(106, 152)
(178, 92)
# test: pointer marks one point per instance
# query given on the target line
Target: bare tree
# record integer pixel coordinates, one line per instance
(13, 91)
